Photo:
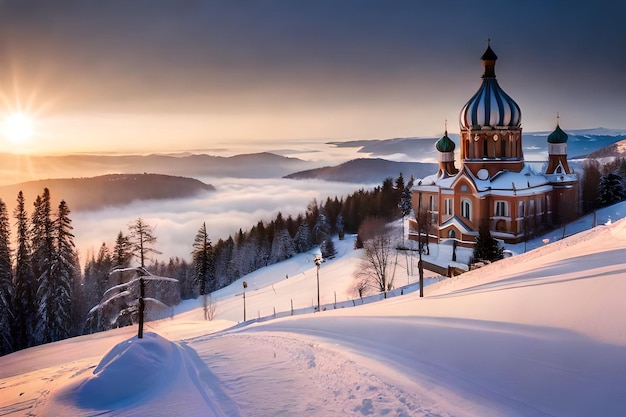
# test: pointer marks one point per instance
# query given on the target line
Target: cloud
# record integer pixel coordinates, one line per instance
(236, 204)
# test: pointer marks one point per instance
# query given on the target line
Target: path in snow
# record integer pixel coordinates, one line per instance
(281, 374)
(464, 367)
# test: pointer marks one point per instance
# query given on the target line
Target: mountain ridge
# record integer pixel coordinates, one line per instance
(366, 170)
(92, 193)
(21, 168)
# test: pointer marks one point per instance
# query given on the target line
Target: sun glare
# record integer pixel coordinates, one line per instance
(18, 128)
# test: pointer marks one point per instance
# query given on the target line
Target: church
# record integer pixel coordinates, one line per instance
(493, 184)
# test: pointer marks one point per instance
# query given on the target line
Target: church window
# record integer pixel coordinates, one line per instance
(432, 206)
(520, 209)
(448, 206)
(464, 188)
(466, 208)
(451, 234)
(559, 169)
(502, 208)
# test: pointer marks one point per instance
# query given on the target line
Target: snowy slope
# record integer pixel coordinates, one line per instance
(538, 334)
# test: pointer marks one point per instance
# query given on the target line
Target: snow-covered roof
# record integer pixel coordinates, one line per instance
(458, 223)
(505, 183)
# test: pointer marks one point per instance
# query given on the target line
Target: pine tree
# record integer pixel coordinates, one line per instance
(611, 189)
(321, 230)
(43, 256)
(282, 246)
(96, 275)
(180, 270)
(328, 249)
(224, 261)
(203, 262)
(340, 227)
(24, 280)
(6, 284)
(142, 239)
(487, 247)
(302, 239)
(42, 240)
(122, 252)
(69, 300)
(120, 258)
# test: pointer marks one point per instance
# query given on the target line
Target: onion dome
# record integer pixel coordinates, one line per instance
(558, 136)
(445, 144)
(490, 106)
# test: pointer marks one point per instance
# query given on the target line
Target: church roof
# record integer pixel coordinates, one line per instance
(505, 183)
(490, 106)
(558, 136)
(445, 144)
(489, 55)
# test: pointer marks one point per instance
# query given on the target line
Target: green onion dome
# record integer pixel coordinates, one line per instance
(445, 144)
(558, 136)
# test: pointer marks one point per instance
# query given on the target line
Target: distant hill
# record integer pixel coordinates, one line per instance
(581, 142)
(83, 194)
(19, 168)
(614, 150)
(363, 170)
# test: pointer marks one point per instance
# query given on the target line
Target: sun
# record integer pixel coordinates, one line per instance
(18, 128)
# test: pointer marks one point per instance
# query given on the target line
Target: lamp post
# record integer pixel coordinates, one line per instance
(141, 308)
(318, 261)
(419, 243)
(245, 285)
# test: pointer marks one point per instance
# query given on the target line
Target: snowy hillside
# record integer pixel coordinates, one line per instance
(539, 334)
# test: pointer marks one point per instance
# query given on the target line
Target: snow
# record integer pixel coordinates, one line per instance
(541, 333)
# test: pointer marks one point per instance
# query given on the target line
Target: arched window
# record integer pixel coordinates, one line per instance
(466, 208)
(451, 233)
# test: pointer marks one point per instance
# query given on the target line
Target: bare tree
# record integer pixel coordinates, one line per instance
(133, 289)
(209, 306)
(143, 239)
(374, 269)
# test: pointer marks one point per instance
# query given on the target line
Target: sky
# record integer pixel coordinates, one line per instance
(165, 75)
(538, 334)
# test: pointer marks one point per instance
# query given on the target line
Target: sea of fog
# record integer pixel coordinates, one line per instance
(236, 204)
